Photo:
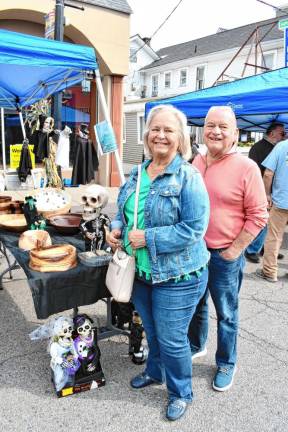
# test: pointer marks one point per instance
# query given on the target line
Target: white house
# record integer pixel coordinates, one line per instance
(195, 65)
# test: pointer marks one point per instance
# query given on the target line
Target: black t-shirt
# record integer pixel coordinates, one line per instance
(259, 151)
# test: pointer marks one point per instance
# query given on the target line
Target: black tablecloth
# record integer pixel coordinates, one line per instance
(55, 292)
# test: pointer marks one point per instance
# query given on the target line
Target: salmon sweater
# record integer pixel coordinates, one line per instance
(237, 198)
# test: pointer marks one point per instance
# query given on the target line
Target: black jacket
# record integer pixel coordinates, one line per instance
(259, 151)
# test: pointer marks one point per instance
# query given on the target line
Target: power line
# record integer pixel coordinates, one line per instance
(274, 7)
(156, 31)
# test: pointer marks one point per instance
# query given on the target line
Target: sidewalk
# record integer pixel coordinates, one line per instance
(258, 400)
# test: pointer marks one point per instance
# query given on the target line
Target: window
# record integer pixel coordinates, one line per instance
(167, 80)
(140, 128)
(183, 78)
(267, 61)
(200, 77)
(124, 129)
(155, 79)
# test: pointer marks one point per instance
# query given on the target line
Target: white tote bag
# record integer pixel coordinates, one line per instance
(121, 270)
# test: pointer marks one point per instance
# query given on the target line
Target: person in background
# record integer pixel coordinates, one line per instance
(276, 186)
(238, 212)
(258, 152)
(171, 255)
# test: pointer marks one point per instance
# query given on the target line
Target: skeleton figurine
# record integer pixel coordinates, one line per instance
(64, 358)
(92, 224)
(85, 345)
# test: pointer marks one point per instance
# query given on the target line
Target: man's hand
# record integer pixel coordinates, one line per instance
(231, 253)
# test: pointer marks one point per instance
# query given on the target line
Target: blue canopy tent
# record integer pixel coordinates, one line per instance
(257, 101)
(33, 68)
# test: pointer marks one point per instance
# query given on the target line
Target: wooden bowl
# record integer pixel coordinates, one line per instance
(66, 224)
(16, 206)
(5, 201)
(13, 222)
(60, 202)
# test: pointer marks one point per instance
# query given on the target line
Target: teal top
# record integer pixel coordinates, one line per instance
(143, 267)
(141, 256)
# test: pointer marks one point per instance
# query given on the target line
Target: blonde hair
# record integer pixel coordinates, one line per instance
(184, 148)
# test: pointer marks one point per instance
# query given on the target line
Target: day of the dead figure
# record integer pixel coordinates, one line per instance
(136, 349)
(86, 346)
(64, 358)
(93, 222)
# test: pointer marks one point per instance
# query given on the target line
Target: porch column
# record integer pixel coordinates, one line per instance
(117, 123)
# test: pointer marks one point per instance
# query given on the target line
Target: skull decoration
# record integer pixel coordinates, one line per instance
(94, 199)
(85, 328)
(64, 358)
(93, 221)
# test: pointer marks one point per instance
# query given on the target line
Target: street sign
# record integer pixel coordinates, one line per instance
(282, 24)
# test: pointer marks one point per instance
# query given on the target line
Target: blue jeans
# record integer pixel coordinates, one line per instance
(224, 283)
(257, 244)
(166, 310)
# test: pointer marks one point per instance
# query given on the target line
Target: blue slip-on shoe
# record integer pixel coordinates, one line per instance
(142, 380)
(198, 354)
(175, 409)
(223, 379)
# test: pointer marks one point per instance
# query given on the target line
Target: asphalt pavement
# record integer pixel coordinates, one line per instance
(258, 400)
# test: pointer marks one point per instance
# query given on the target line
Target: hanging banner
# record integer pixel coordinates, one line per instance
(105, 137)
(50, 25)
(15, 154)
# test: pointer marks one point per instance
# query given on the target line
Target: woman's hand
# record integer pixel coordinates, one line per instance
(137, 239)
(113, 238)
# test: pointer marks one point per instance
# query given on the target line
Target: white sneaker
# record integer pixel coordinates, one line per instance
(199, 354)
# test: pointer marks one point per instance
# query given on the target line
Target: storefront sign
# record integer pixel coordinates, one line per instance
(283, 25)
(15, 154)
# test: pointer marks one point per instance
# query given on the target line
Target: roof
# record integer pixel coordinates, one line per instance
(117, 5)
(220, 41)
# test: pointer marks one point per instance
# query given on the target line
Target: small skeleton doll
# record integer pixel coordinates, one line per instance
(93, 222)
(138, 352)
(64, 359)
(86, 345)
(34, 220)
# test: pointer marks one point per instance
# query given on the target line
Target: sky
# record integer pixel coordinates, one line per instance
(194, 18)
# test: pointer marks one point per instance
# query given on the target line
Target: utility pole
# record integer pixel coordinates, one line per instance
(58, 35)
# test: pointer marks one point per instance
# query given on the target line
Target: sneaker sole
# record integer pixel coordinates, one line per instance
(223, 389)
(261, 275)
(199, 354)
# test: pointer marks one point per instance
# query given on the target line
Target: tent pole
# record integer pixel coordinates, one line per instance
(107, 118)
(22, 124)
(3, 140)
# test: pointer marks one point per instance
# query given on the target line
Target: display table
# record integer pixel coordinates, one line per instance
(56, 292)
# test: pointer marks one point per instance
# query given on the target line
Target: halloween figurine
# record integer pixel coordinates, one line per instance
(34, 220)
(64, 359)
(86, 346)
(93, 222)
(136, 349)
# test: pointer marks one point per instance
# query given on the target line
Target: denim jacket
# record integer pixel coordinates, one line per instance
(176, 216)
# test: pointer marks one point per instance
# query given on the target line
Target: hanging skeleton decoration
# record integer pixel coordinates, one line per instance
(86, 345)
(93, 222)
(64, 358)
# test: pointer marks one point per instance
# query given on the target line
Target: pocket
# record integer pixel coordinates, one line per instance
(168, 208)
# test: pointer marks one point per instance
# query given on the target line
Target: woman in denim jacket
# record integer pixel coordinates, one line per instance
(171, 255)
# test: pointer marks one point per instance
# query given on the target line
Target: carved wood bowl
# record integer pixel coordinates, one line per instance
(66, 224)
(13, 222)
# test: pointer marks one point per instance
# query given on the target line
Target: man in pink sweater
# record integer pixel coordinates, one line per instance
(238, 213)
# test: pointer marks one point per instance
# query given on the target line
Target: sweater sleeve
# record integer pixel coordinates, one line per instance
(255, 201)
